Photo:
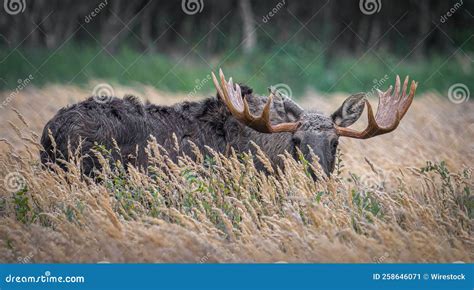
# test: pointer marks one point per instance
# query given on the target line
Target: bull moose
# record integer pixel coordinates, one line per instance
(232, 119)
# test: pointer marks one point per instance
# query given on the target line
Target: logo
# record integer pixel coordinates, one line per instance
(14, 181)
(369, 7)
(458, 93)
(192, 7)
(103, 93)
(14, 7)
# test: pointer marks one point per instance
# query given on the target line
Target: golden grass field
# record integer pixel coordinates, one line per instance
(381, 207)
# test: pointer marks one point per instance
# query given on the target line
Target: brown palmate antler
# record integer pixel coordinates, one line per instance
(239, 108)
(391, 109)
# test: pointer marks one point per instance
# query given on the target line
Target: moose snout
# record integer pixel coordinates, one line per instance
(323, 162)
(319, 146)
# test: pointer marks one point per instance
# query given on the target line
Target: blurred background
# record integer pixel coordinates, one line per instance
(327, 46)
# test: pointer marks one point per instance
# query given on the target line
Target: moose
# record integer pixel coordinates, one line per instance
(232, 119)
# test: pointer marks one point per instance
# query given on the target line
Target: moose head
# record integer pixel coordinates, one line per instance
(313, 131)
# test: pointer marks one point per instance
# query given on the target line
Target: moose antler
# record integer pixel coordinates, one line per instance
(391, 109)
(239, 108)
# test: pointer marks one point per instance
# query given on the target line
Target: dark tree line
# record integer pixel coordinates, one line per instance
(425, 26)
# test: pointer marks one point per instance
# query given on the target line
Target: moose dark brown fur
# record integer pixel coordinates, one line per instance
(229, 120)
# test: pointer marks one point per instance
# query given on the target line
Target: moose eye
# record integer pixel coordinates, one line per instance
(296, 140)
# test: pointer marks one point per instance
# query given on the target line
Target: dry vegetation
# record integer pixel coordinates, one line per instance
(385, 203)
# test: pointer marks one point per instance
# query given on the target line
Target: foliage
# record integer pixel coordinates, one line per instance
(301, 70)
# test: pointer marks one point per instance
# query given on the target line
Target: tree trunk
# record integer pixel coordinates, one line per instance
(248, 33)
(424, 25)
(114, 30)
(146, 29)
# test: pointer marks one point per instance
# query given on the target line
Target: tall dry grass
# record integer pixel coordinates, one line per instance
(384, 203)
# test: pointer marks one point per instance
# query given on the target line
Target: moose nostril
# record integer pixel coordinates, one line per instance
(333, 144)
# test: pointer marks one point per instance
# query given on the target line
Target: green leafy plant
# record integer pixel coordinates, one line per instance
(22, 206)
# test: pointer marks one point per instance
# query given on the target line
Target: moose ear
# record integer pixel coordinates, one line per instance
(350, 110)
(293, 111)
